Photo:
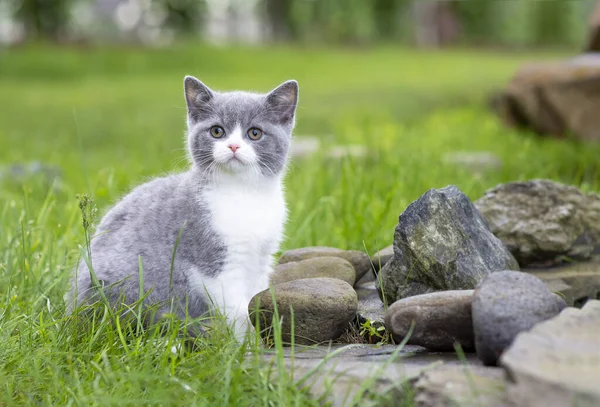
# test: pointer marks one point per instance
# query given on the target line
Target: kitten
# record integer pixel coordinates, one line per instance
(230, 204)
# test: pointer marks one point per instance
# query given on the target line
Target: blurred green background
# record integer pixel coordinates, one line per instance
(91, 95)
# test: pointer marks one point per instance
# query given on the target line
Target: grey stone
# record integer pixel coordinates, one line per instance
(465, 386)
(543, 222)
(440, 319)
(442, 243)
(368, 277)
(582, 277)
(371, 309)
(333, 267)
(358, 259)
(557, 363)
(561, 288)
(322, 309)
(505, 304)
(343, 375)
(383, 256)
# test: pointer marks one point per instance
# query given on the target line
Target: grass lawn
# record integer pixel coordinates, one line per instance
(113, 118)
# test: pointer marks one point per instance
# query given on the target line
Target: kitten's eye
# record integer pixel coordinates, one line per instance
(217, 131)
(254, 133)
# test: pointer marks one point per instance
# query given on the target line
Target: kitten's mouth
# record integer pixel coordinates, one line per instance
(235, 163)
(235, 160)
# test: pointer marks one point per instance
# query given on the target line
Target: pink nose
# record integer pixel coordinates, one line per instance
(233, 147)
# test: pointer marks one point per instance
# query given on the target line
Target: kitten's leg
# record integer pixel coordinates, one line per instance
(239, 321)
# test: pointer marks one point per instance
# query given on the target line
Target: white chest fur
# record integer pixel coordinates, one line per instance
(250, 220)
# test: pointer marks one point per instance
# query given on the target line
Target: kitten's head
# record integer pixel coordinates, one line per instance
(239, 132)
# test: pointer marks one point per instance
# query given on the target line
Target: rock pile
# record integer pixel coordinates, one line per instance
(452, 280)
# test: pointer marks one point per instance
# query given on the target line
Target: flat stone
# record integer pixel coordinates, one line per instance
(465, 386)
(441, 320)
(543, 222)
(332, 267)
(361, 371)
(561, 288)
(505, 304)
(322, 309)
(358, 259)
(381, 258)
(557, 362)
(582, 277)
(441, 243)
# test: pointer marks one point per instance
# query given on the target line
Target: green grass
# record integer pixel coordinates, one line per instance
(113, 118)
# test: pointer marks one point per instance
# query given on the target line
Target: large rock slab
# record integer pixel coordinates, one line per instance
(557, 99)
(505, 304)
(441, 243)
(440, 320)
(543, 222)
(333, 267)
(358, 259)
(352, 375)
(465, 386)
(557, 362)
(322, 309)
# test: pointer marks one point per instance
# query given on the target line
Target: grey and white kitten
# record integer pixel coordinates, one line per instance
(230, 204)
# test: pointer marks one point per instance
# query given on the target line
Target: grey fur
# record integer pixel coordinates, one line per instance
(147, 221)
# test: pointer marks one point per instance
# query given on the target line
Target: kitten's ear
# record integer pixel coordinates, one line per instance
(282, 102)
(197, 95)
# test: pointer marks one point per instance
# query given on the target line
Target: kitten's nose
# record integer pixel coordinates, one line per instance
(233, 147)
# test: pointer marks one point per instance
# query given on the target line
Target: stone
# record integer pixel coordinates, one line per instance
(322, 309)
(440, 319)
(368, 277)
(557, 99)
(441, 243)
(557, 362)
(383, 256)
(505, 304)
(465, 386)
(343, 375)
(560, 287)
(583, 278)
(371, 310)
(333, 267)
(543, 222)
(358, 259)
